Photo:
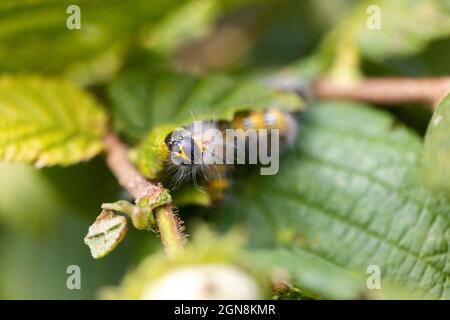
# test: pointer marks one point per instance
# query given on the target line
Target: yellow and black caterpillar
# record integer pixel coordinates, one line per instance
(193, 153)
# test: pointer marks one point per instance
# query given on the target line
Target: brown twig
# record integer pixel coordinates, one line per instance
(129, 177)
(386, 91)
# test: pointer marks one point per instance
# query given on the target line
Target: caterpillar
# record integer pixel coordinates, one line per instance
(196, 152)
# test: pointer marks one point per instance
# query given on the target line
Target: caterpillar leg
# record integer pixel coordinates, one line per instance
(217, 189)
(217, 184)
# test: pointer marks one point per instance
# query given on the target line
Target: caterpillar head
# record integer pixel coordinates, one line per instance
(183, 149)
(193, 152)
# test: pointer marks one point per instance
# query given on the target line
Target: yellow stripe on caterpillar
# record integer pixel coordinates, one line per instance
(272, 118)
(216, 188)
(219, 184)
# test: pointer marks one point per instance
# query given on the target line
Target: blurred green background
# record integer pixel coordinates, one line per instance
(44, 214)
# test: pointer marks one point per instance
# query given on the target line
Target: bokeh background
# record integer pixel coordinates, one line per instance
(45, 214)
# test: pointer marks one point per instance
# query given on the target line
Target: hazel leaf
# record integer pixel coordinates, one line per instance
(48, 121)
(436, 150)
(349, 194)
(105, 233)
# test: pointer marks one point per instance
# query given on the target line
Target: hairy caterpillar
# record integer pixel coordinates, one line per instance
(196, 152)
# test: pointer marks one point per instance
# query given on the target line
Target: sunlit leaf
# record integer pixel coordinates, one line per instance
(48, 121)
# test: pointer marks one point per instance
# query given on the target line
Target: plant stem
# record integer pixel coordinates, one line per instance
(169, 224)
(169, 229)
(386, 91)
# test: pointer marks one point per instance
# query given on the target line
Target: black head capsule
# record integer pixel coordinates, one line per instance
(183, 149)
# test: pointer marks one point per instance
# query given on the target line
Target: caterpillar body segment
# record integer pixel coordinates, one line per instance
(218, 184)
(272, 118)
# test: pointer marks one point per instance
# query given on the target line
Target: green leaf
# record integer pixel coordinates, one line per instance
(189, 195)
(400, 33)
(110, 31)
(143, 100)
(315, 277)
(397, 36)
(436, 151)
(90, 54)
(308, 270)
(106, 233)
(348, 194)
(187, 22)
(48, 122)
